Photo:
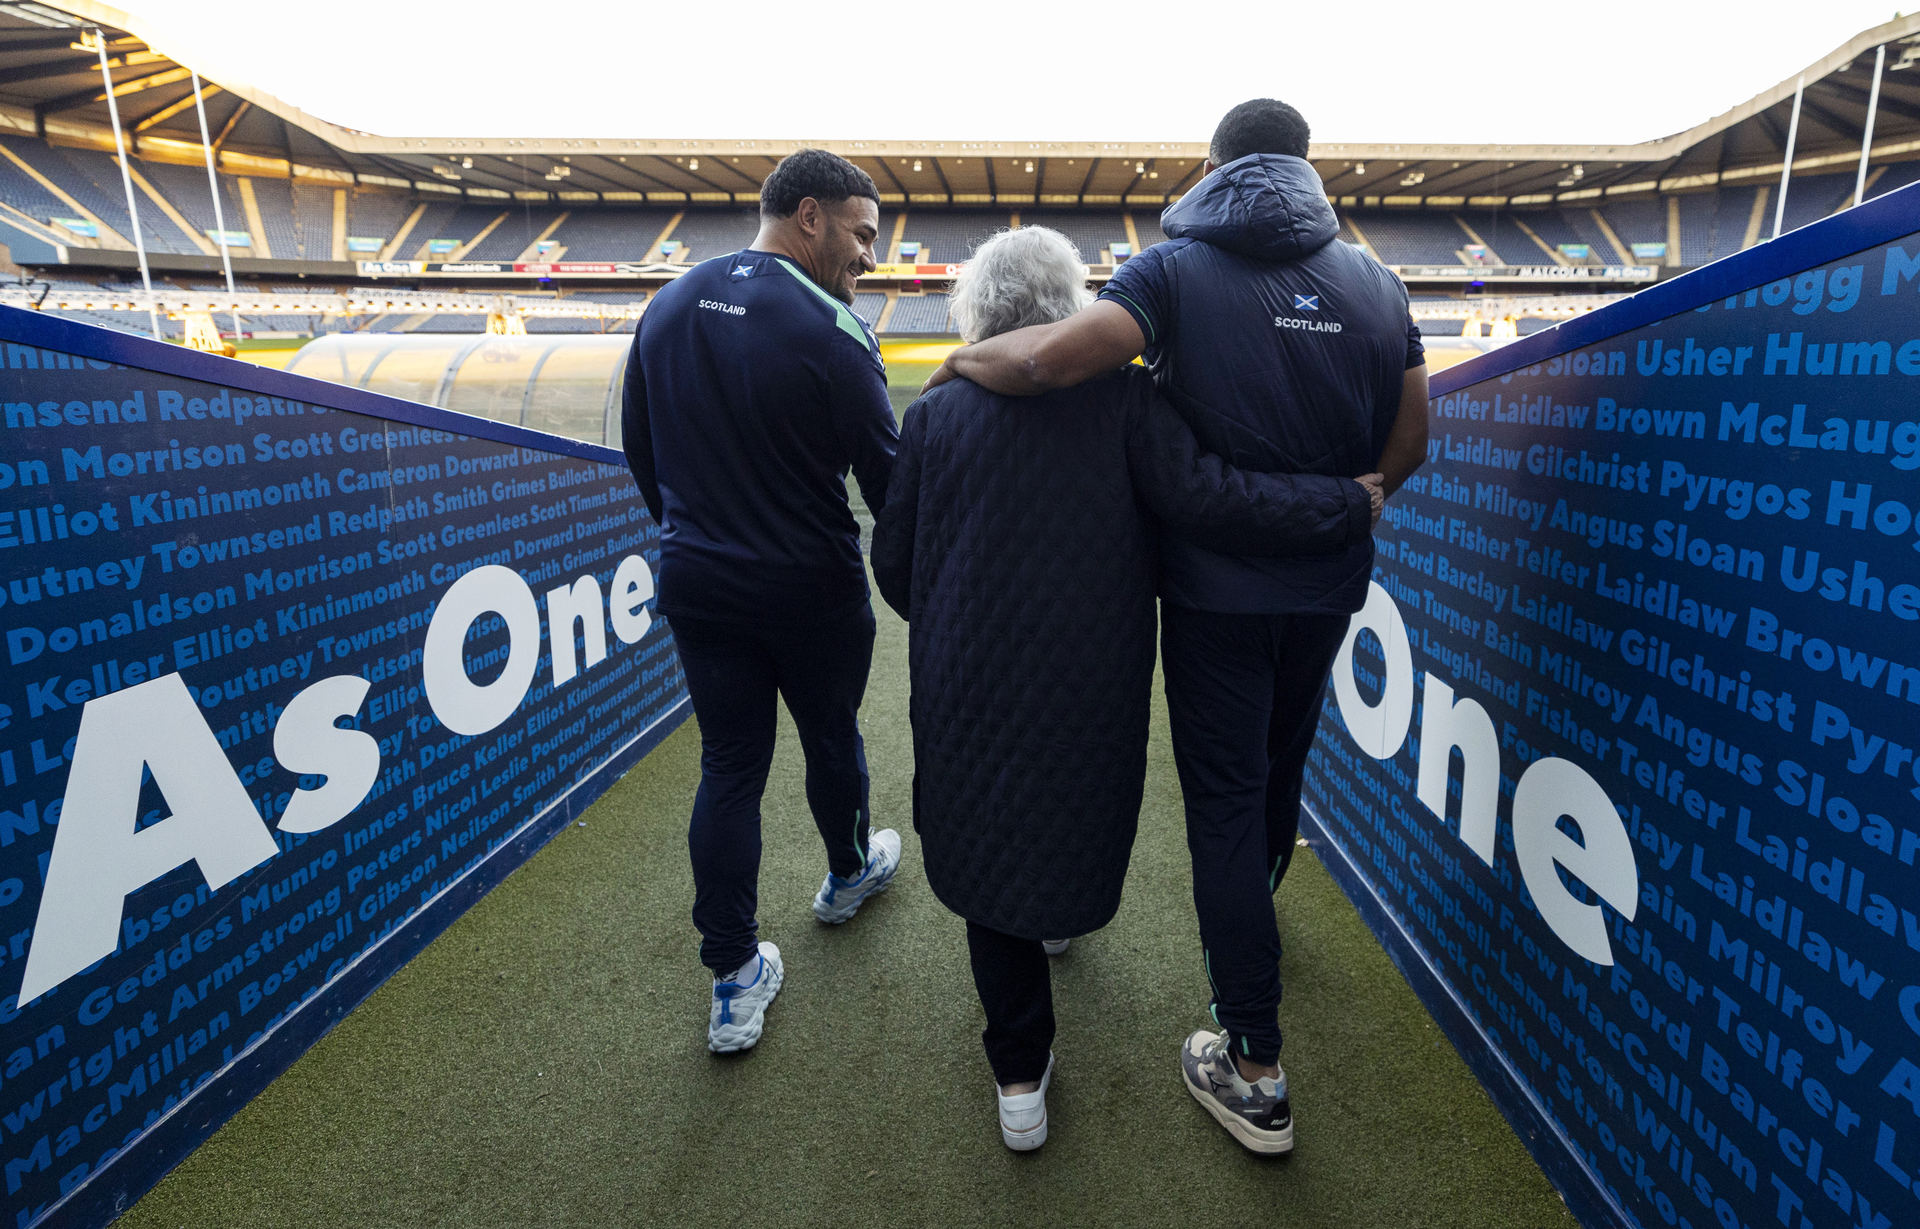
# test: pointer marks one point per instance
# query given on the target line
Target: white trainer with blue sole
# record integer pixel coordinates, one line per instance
(739, 1011)
(839, 899)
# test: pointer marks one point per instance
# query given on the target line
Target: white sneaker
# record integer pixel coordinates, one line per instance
(1055, 947)
(1023, 1116)
(839, 899)
(739, 1011)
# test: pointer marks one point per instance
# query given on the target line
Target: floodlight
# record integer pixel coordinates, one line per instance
(916, 164)
(693, 164)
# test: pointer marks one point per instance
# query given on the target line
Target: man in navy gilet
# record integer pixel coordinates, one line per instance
(1285, 350)
(751, 392)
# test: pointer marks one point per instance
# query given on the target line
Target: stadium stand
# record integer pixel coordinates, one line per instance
(951, 235)
(1502, 234)
(1582, 228)
(1899, 175)
(515, 233)
(450, 323)
(185, 188)
(924, 314)
(1146, 224)
(868, 305)
(706, 233)
(23, 192)
(375, 214)
(313, 216)
(434, 223)
(611, 234)
(275, 199)
(1638, 221)
(1811, 198)
(93, 179)
(1091, 232)
(1413, 238)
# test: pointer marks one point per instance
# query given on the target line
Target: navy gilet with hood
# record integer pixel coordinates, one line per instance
(1284, 350)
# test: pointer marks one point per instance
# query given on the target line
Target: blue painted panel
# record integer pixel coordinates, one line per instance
(294, 674)
(1622, 760)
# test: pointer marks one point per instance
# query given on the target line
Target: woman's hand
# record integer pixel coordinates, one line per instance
(1376, 492)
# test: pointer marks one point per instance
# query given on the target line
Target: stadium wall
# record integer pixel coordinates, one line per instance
(1654, 595)
(295, 675)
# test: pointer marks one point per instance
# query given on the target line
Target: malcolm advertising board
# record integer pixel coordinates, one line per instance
(294, 673)
(1623, 756)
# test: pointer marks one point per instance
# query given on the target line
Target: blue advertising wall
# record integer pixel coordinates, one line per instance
(1623, 755)
(294, 674)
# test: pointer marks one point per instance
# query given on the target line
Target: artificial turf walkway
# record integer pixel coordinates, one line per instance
(544, 1062)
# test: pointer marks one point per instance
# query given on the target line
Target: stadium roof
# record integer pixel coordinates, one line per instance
(50, 86)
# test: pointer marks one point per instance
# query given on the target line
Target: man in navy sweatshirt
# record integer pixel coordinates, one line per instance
(1289, 351)
(751, 392)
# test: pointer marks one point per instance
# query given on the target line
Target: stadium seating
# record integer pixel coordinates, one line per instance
(1895, 177)
(706, 233)
(1810, 198)
(611, 234)
(313, 218)
(185, 188)
(1413, 238)
(1146, 223)
(1091, 232)
(375, 214)
(868, 305)
(93, 179)
(1508, 244)
(950, 235)
(21, 191)
(924, 314)
(1643, 220)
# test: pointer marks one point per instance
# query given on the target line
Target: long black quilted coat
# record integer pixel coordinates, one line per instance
(1017, 541)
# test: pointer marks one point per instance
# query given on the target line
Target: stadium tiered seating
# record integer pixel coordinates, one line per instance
(93, 179)
(435, 221)
(924, 314)
(1643, 220)
(375, 214)
(1510, 245)
(1413, 238)
(611, 234)
(1810, 198)
(275, 198)
(1146, 224)
(1090, 232)
(451, 323)
(1897, 176)
(706, 233)
(949, 236)
(1583, 229)
(185, 188)
(1714, 224)
(522, 226)
(313, 215)
(23, 192)
(868, 305)
(1555, 227)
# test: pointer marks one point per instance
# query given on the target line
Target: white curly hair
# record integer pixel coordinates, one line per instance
(1020, 277)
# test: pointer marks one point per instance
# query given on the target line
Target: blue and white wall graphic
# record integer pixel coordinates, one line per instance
(1623, 757)
(293, 675)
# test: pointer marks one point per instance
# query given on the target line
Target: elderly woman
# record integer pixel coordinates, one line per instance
(1018, 540)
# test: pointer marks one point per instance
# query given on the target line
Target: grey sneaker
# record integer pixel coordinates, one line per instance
(1055, 947)
(1256, 1114)
(839, 899)
(739, 1011)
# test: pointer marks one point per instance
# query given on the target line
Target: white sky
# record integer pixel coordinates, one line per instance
(1501, 71)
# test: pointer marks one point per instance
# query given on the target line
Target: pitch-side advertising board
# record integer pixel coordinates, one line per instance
(1622, 758)
(294, 674)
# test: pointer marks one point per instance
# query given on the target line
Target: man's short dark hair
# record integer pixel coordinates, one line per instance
(1261, 126)
(827, 178)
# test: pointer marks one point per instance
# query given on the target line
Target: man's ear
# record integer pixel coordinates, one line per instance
(807, 214)
(1207, 168)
